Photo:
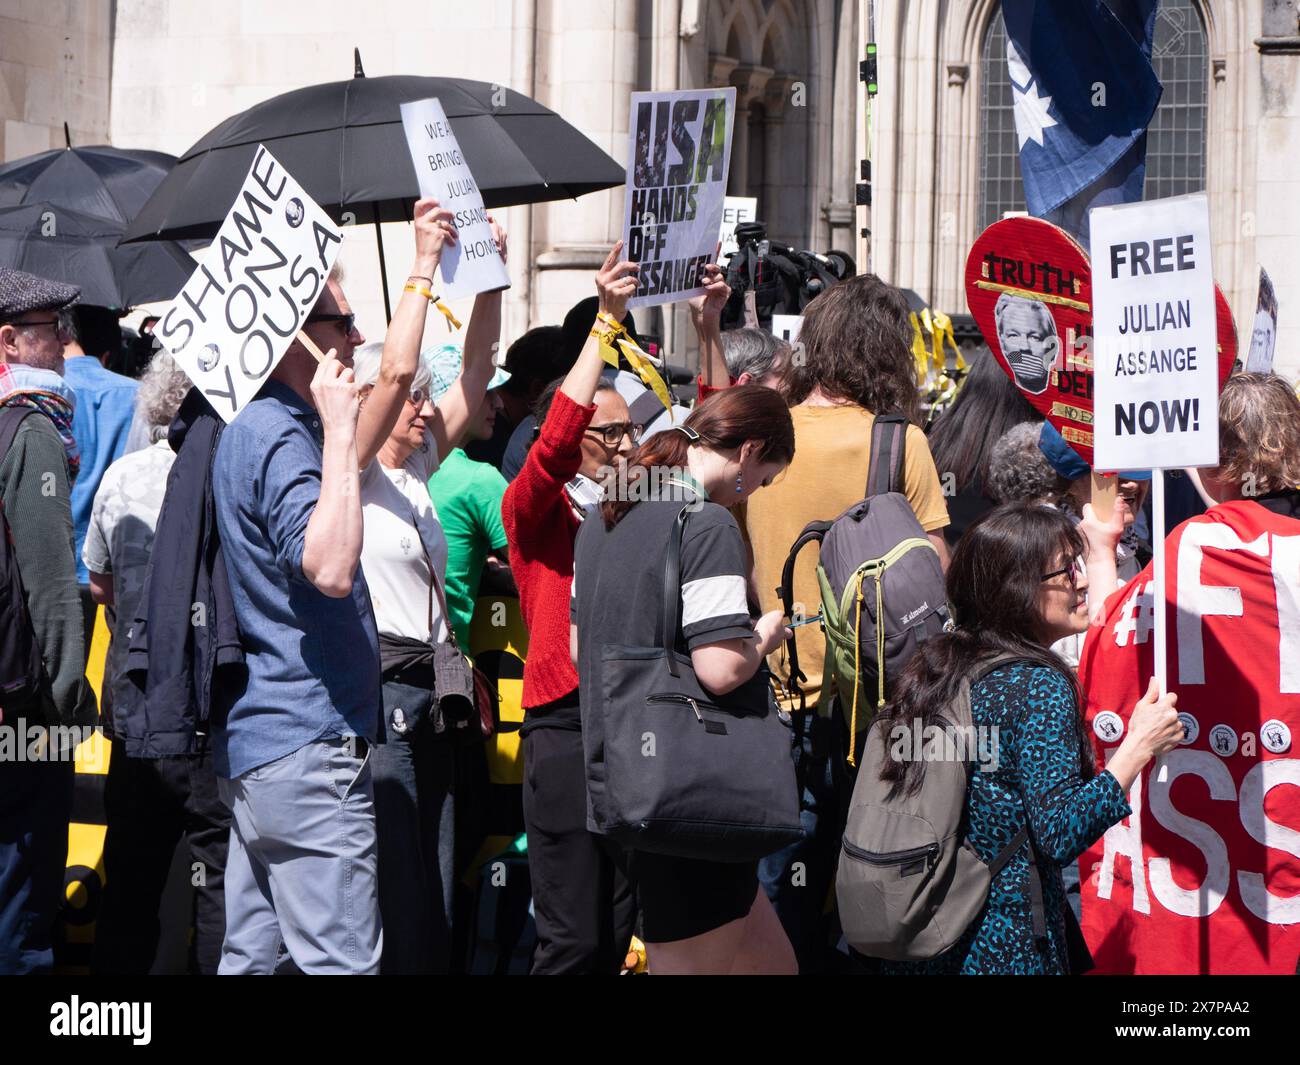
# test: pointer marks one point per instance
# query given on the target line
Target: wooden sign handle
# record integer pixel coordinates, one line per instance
(310, 345)
(1104, 489)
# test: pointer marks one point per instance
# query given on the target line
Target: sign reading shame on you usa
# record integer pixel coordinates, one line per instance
(676, 185)
(1155, 342)
(255, 285)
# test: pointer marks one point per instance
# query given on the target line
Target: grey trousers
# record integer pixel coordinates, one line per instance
(302, 870)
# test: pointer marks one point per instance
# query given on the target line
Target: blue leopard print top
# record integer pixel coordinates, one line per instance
(1038, 777)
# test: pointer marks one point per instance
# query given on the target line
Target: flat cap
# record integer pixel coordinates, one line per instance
(21, 292)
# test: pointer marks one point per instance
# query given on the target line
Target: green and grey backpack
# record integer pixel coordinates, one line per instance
(881, 584)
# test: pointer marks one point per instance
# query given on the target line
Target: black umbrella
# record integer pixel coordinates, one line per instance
(80, 249)
(343, 141)
(99, 180)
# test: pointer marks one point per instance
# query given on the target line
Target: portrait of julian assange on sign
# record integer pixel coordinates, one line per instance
(255, 285)
(676, 186)
(473, 264)
(1156, 373)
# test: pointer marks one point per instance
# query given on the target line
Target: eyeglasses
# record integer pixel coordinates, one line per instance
(416, 397)
(1072, 571)
(60, 327)
(347, 322)
(613, 432)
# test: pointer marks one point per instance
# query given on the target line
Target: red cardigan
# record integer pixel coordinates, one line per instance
(541, 527)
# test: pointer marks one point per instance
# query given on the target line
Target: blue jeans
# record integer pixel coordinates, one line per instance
(302, 869)
(798, 879)
(35, 805)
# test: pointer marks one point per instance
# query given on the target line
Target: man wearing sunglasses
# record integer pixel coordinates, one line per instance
(292, 760)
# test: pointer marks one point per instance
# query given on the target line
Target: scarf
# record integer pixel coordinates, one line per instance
(45, 391)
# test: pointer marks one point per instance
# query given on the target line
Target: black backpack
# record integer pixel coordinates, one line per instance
(24, 687)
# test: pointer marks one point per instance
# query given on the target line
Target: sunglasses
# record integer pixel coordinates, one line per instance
(416, 397)
(613, 432)
(1072, 571)
(347, 322)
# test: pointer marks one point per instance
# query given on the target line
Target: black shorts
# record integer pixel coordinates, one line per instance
(685, 897)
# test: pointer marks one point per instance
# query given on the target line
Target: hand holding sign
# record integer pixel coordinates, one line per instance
(434, 229)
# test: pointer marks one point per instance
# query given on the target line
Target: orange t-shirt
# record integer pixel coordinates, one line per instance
(828, 475)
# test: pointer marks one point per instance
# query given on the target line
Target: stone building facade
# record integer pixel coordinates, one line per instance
(160, 73)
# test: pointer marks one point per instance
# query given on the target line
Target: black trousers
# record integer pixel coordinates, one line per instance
(151, 804)
(583, 900)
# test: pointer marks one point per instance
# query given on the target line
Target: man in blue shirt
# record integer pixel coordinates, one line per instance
(292, 758)
(105, 406)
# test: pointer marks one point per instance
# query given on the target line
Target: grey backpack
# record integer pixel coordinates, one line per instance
(881, 586)
(908, 883)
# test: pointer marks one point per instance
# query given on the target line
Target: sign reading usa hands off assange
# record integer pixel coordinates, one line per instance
(255, 285)
(676, 185)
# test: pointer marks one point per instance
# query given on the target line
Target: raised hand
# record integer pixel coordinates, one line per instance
(616, 283)
(434, 229)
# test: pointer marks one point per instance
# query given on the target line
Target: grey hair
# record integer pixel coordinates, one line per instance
(752, 351)
(1006, 301)
(162, 388)
(1020, 472)
(367, 359)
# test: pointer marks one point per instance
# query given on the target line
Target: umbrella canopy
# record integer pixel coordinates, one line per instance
(64, 245)
(111, 183)
(344, 143)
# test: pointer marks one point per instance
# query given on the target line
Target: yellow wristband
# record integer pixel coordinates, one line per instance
(419, 290)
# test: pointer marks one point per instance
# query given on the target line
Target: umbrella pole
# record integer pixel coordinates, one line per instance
(383, 267)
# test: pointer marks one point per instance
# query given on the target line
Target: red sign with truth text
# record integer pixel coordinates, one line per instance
(1029, 288)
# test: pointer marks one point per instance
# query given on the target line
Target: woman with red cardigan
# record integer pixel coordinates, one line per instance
(584, 905)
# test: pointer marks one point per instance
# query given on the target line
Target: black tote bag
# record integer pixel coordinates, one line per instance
(676, 770)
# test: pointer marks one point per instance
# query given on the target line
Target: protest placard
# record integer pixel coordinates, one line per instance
(1156, 373)
(473, 264)
(676, 185)
(1029, 287)
(1263, 337)
(787, 326)
(735, 209)
(254, 287)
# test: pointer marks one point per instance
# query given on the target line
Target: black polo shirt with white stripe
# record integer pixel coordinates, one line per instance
(618, 577)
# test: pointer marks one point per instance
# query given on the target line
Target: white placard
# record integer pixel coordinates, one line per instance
(735, 209)
(787, 326)
(473, 264)
(1155, 341)
(255, 285)
(676, 185)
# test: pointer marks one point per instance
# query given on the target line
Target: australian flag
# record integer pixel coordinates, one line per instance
(1084, 91)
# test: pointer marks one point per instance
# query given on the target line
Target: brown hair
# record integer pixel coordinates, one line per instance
(724, 422)
(856, 342)
(1259, 433)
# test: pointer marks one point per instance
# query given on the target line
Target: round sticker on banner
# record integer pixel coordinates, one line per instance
(294, 212)
(1190, 726)
(1275, 735)
(1223, 741)
(1029, 288)
(209, 357)
(1108, 726)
